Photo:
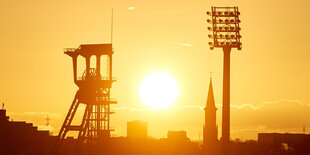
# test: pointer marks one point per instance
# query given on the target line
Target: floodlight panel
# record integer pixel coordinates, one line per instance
(225, 26)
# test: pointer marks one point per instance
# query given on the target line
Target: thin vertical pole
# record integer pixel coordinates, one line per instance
(226, 99)
(112, 27)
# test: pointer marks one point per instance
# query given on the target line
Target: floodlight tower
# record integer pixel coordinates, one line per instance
(94, 94)
(225, 34)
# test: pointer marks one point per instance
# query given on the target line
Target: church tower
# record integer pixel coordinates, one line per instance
(210, 140)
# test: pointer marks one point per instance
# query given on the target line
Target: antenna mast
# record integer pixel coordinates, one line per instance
(47, 120)
(112, 27)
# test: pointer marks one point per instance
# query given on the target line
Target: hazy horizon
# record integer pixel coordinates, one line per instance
(269, 86)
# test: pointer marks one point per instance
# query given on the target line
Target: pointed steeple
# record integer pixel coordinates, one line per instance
(210, 140)
(210, 99)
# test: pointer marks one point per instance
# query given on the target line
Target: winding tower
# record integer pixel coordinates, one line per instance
(94, 94)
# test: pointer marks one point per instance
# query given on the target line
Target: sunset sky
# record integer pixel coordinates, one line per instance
(270, 88)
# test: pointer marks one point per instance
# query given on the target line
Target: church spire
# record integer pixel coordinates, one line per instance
(210, 129)
(210, 99)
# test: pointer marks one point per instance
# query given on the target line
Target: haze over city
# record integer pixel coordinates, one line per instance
(269, 86)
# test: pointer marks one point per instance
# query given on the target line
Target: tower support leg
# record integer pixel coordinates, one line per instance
(66, 125)
(83, 129)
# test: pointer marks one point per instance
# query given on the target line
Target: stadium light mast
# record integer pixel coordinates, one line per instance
(225, 34)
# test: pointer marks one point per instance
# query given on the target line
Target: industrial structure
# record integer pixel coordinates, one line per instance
(94, 94)
(137, 129)
(210, 139)
(225, 34)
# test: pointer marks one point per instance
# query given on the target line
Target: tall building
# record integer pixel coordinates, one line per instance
(210, 128)
(136, 129)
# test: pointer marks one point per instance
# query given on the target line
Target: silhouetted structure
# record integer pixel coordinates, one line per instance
(137, 129)
(283, 138)
(284, 143)
(94, 93)
(210, 140)
(225, 34)
(47, 120)
(178, 136)
(22, 137)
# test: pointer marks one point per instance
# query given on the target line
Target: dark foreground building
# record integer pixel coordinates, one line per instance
(22, 137)
(285, 143)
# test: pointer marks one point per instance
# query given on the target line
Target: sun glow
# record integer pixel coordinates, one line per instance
(159, 90)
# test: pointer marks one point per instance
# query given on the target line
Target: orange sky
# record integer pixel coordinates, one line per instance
(269, 86)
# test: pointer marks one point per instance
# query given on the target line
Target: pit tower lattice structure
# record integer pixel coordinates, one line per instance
(94, 94)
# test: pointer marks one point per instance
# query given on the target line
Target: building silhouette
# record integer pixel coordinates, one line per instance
(136, 129)
(278, 139)
(21, 138)
(177, 136)
(17, 137)
(210, 139)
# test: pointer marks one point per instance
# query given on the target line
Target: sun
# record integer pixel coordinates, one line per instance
(159, 90)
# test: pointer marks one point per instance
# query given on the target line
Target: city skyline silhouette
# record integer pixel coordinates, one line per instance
(268, 77)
